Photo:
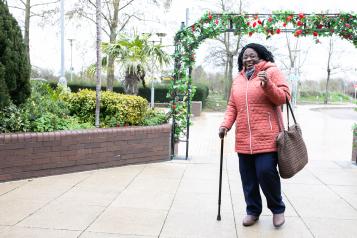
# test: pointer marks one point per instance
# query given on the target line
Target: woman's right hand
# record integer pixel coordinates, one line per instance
(222, 132)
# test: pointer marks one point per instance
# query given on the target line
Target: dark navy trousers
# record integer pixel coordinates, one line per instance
(261, 170)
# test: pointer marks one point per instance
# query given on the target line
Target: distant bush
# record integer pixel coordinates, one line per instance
(161, 91)
(310, 94)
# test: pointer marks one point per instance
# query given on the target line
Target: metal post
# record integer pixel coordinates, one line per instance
(71, 44)
(176, 77)
(188, 109)
(152, 99)
(187, 16)
(62, 79)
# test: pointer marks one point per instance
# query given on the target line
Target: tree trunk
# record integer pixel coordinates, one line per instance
(113, 35)
(327, 83)
(110, 73)
(229, 74)
(99, 62)
(225, 95)
(27, 26)
(328, 70)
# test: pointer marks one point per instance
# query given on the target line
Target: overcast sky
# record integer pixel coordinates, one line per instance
(45, 51)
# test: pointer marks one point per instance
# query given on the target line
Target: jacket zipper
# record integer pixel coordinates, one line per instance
(250, 132)
(271, 127)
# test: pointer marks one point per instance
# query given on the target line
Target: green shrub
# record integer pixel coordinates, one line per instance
(128, 109)
(116, 109)
(14, 61)
(52, 122)
(201, 93)
(44, 111)
(13, 119)
(154, 117)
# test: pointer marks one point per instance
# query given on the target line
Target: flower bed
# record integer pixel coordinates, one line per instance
(25, 155)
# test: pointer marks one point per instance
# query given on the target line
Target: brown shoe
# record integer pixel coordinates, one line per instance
(278, 220)
(249, 220)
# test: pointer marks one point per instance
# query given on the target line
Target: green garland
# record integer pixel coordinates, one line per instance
(211, 25)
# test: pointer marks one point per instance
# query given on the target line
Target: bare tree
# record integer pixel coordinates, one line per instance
(116, 15)
(224, 53)
(29, 10)
(332, 67)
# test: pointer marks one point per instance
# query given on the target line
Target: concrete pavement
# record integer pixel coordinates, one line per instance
(178, 199)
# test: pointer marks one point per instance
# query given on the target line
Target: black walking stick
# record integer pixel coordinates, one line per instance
(220, 182)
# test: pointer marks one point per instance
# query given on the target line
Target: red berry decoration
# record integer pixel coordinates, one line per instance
(298, 33)
(278, 31)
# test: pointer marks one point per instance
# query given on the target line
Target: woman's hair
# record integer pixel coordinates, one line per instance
(263, 53)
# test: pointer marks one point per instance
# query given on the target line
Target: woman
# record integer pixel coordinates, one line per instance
(256, 93)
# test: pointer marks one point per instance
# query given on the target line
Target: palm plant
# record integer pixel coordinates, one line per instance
(136, 56)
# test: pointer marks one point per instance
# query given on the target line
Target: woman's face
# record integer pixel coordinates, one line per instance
(250, 58)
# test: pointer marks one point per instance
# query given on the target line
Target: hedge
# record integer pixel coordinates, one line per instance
(161, 91)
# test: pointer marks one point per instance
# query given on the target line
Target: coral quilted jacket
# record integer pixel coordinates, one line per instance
(253, 109)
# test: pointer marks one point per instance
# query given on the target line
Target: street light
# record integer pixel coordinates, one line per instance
(62, 79)
(71, 43)
(152, 98)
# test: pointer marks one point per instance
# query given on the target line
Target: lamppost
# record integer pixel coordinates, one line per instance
(71, 43)
(62, 79)
(152, 98)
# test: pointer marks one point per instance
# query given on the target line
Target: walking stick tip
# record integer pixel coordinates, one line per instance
(218, 217)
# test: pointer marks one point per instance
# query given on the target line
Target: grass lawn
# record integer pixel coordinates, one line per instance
(215, 103)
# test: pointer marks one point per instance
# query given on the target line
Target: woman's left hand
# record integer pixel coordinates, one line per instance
(262, 75)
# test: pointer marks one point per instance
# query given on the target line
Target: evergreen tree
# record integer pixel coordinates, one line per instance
(14, 60)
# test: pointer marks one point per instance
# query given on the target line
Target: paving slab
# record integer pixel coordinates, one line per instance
(31, 232)
(332, 228)
(66, 215)
(130, 221)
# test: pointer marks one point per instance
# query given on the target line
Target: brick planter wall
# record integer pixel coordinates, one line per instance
(25, 155)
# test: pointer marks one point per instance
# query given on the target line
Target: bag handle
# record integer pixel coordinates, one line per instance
(280, 120)
(289, 108)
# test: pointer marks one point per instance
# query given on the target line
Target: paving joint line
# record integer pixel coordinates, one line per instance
(110, 203)
(29, 215)
(173, 200)
(299, 216)
(333, 191)
(230, 195)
